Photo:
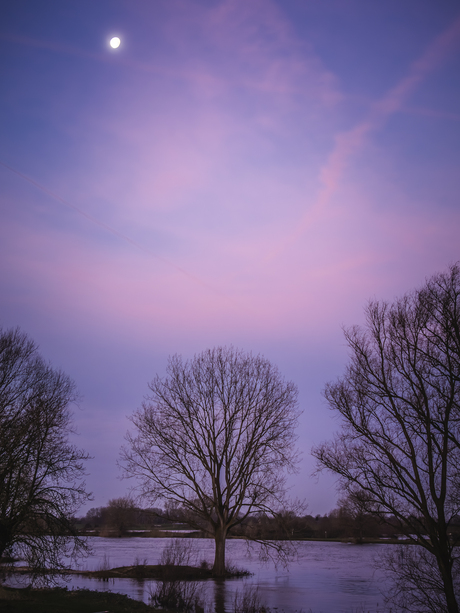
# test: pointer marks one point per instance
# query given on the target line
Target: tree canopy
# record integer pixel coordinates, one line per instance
(215, 437)
(398, 448)
(41, 473)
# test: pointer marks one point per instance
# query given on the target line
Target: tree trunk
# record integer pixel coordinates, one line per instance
(218, 569)
(5, 538)
(451, 601)
(446, 574)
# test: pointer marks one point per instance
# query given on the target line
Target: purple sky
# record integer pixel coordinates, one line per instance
(236, 172)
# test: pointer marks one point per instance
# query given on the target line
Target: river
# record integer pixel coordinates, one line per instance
(326, 577)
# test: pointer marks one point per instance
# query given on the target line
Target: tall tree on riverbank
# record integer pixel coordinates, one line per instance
(216, 437)
(399, 445)
(40, 471)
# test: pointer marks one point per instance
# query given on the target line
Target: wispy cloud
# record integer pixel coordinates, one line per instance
(107, 228)
(348, 143)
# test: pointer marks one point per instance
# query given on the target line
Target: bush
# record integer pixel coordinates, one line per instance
(248, 601)
(184, 596)
(139, 567)
(171, 593)
(178, 552)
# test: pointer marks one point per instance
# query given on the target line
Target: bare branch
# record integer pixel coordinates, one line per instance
(41, 473)
(216, 436)
(399, 445)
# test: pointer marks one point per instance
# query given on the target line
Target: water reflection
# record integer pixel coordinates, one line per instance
(141, 589)
(219, 596)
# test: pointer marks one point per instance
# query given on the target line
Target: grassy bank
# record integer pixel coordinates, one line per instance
(61, 600)
(163, 572)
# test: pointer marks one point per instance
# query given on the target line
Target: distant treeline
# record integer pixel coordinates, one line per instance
(122, 517)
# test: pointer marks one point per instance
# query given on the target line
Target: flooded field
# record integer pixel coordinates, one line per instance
(324, 578)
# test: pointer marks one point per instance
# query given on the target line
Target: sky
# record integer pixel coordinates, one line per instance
(246, 173)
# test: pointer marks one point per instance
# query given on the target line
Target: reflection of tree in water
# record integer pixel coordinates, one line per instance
(219, 596)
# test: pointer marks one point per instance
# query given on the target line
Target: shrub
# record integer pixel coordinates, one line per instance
(248, 601)
(178, 552)
(184, 596)
(139, 567)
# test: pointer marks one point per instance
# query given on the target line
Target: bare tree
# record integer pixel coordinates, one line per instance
(120, 514)
(399, 443)
(353, 508)
(215, 436)
(40, 471)
(419, 587)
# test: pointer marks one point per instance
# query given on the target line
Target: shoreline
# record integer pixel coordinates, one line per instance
(141, 571)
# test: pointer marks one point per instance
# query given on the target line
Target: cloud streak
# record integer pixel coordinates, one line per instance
(228, 176)
(348, 143)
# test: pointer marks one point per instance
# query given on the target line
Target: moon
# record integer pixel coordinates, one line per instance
(115, 42)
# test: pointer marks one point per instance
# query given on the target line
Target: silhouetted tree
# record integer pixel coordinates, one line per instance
(40, 471)
(354, 514)
(216, 436)
(120, 514)
(95, 517)
(400, 438)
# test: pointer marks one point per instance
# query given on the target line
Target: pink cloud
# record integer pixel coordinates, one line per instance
(190, 132)
(251, 45)
(349, 142)
(220, 185)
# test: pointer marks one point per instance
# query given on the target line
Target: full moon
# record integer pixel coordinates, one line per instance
(115, 42)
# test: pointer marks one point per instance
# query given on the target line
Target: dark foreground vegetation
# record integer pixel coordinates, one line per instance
(58, 600)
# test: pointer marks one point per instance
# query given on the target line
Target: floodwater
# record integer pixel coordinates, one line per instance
(324, 578)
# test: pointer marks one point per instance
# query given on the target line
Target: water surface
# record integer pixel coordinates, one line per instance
(325, 577)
